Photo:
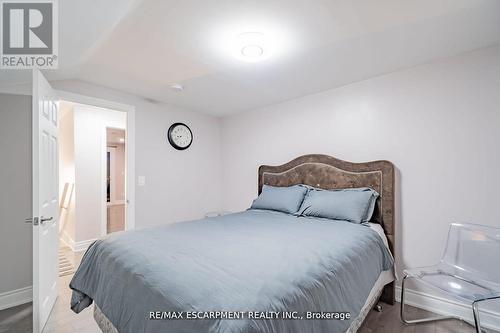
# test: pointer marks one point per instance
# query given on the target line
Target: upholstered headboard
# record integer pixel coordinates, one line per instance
(327, 172)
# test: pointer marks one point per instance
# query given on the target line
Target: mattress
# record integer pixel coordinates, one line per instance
(255, 260)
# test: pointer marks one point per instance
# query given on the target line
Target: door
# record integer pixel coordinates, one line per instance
(45, 200)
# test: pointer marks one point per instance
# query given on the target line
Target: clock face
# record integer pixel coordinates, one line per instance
(180, 136)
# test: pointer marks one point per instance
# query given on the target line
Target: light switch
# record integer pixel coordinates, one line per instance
(141, 180)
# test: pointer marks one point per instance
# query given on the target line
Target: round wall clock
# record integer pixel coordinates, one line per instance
(180, 136)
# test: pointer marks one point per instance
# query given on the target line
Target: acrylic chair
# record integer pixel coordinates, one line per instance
(469, 270)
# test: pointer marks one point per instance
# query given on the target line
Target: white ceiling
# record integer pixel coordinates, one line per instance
(142, 47)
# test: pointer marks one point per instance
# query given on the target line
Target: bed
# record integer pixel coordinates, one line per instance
(272, 268)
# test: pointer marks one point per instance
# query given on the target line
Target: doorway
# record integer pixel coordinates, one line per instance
(115, 179)
(55, 200)
(92, 177)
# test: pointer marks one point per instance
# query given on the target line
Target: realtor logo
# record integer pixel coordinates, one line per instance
(29, 34)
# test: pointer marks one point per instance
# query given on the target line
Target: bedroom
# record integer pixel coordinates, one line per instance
(414, 83)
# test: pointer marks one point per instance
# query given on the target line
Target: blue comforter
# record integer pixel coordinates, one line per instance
(250, 261)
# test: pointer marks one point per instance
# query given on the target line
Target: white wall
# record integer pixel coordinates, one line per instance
(438, 123)
(90, 149)
(16, 253)
(67, 170)
(180, 185)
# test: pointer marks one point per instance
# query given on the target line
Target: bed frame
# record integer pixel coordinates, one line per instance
(327, 172)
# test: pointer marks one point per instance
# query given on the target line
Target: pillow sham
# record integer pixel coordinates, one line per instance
(353, 204)
(282, 199)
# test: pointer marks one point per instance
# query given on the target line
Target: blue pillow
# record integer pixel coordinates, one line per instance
(282, 199)
(354, 204)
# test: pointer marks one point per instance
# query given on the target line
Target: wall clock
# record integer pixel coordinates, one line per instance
(180, 136)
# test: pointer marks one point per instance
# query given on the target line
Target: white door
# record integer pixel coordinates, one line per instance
(45, 200)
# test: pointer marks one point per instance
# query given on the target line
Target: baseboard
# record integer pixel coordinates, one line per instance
(16, 297)
(75, 246)
(83, 245)
(442, 306)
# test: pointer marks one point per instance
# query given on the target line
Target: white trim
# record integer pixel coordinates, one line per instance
(75, 246)
(93, 101)
(83, 245)
(16, 297)
(446, 307)
(103, 195)
(130, 170)
(35, 181)
(129, 144)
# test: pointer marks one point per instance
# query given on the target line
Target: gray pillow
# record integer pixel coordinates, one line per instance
(354, 204)
(282, 199)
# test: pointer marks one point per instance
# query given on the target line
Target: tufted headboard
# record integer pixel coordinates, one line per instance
(327, 172)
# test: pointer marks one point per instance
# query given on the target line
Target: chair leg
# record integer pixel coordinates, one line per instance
(417, 321)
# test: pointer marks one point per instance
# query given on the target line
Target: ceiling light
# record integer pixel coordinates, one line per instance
(250, 40)
(252, 51)
(252, 47)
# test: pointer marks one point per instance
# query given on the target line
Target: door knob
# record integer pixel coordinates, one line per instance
(45, 219)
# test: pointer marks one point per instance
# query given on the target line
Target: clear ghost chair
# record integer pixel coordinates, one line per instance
(469, 270)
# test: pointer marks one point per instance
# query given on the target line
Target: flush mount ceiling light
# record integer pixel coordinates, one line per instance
(250, 41)
(252, 51)
(252, 47)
